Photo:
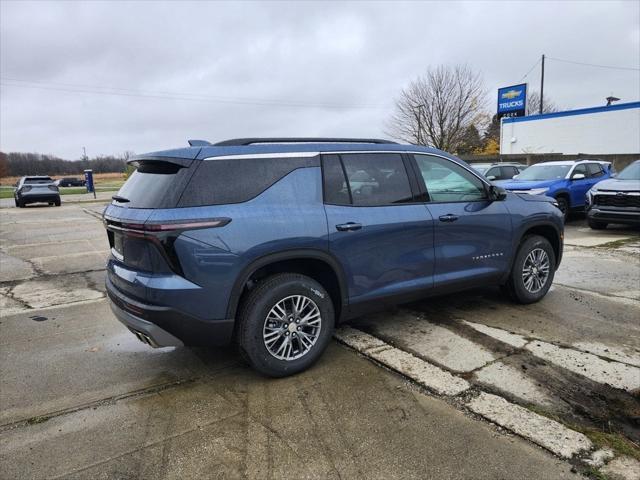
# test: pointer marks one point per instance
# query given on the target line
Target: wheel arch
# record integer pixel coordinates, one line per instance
(548, 231)
(316, 264)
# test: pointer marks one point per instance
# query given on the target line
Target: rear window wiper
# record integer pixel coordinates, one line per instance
(120, 199)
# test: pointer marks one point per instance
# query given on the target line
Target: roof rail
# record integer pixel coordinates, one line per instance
(199, 143)
(252, 141)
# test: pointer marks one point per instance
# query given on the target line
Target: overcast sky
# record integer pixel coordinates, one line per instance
(144, 76)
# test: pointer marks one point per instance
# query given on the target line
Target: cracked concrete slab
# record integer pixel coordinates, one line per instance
(432, 342)
(618, 375)
(56, 290)
(622, 468)
(513, 381)
(423, 373)
(509, 338)
(618, 353)
(547, 433)
(13, 268)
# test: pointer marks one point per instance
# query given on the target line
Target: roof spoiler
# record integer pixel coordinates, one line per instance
(181, 162)
(199, 143)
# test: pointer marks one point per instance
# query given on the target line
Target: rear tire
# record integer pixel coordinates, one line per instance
(563, 203)
(57, 202)
(274, 336)
(595, 225)
(532, 271)
(16, 200)
(21, 204)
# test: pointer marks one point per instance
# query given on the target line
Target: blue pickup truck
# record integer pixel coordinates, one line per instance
(566, 181)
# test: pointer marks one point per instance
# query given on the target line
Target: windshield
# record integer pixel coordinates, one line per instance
(544, 172)
(480, 168)
(631, 172)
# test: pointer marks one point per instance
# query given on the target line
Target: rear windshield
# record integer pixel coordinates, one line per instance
(154, 185)
(35, 181)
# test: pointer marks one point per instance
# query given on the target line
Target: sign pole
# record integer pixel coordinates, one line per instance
(541, 84)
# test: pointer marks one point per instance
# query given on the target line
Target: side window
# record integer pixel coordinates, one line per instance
(377, 178)
(508, 172)
(458, 185)
(582, 168)
(595, 169)
(336, 190)
(494, 172)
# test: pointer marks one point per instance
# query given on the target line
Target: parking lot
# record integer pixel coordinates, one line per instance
(449, 387)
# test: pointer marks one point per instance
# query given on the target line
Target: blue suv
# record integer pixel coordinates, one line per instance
(272, 242)
(566, 181)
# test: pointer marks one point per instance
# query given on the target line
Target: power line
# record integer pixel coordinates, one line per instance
(594, 64)
(126, 92)
(530, 70)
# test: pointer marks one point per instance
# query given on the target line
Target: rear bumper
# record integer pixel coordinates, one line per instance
(48, 198)
(161, 326)
(614, 216)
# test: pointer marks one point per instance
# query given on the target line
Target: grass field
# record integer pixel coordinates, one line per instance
(104, 182)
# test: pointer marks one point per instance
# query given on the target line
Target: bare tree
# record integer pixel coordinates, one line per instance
(533, 104)
(436, 109)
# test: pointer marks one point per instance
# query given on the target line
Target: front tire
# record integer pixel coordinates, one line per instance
(285, 324)
(595, 225)
(533, 270)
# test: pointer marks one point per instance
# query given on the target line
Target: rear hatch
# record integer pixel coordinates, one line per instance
(139, 249)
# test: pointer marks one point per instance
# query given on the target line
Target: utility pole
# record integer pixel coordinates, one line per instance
(541, 84)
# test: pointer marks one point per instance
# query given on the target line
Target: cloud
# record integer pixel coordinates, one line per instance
(217, 70)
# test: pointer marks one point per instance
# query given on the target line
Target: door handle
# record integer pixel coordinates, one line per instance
(449, 217)
(348, 227)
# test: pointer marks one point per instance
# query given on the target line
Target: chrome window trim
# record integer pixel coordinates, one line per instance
(246, 156)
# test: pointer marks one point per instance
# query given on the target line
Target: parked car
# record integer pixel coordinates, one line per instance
(272, 242)
(70, 182)
(499, 171)
(615, 200)
(566, 181)
(37, 189)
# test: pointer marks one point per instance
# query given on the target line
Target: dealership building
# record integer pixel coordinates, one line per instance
(613, 129)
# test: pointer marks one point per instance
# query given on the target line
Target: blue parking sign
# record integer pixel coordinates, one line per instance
(88, 178)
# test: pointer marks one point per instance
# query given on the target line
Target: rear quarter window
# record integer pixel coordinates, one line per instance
(223, 181)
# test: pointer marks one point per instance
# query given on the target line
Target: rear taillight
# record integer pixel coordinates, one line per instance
(26, 188)
(52, 187)
(162, 234)
(144, 229)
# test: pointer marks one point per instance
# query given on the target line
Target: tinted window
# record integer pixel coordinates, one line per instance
(458, 185)
(336, 190)
(220, 181)
(631, 172)
(508, 172)
(154, 185)
(377, 178)
(594, 169)
(37, 180)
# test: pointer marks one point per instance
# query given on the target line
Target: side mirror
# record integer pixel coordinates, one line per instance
(491, 177)
(497, 193)
(578, 176)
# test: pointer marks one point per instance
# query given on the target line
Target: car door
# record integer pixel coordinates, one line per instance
(381, 234)
(578, 187)
(472, 234)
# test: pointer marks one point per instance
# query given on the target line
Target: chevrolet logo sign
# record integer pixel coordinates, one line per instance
(511, 94)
